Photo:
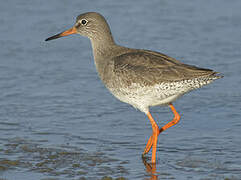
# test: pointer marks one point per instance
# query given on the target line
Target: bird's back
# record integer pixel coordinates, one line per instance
(150, 68)
(152, 77)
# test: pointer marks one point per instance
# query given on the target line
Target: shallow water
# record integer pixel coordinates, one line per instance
(57, 121)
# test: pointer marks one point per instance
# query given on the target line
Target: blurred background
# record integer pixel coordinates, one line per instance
(57, 120)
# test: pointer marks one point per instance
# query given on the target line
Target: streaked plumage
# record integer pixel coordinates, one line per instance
(139, 77)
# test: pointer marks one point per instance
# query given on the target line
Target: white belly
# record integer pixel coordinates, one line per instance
(142, 97)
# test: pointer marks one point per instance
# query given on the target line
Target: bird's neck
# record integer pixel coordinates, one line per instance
(103, 50)
(102, 46)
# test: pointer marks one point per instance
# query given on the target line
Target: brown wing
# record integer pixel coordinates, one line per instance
(148, 68)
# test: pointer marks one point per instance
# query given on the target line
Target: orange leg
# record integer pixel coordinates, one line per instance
(155, 133)
(168, 125)
(150, 168)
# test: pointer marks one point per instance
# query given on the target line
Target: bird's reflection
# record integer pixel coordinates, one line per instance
(150, 168)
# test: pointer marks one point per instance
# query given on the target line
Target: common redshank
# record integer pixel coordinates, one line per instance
(141, 78)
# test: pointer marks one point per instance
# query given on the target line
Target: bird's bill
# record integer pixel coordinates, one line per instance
(65, 33)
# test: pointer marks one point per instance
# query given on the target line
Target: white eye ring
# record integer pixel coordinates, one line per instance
(83, 22)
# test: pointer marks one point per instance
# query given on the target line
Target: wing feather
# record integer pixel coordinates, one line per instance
(148, 68)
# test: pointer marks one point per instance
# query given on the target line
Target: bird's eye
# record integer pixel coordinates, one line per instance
(83, 22)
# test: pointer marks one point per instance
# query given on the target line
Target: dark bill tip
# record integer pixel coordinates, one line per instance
(65, 33)
(53, 37)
